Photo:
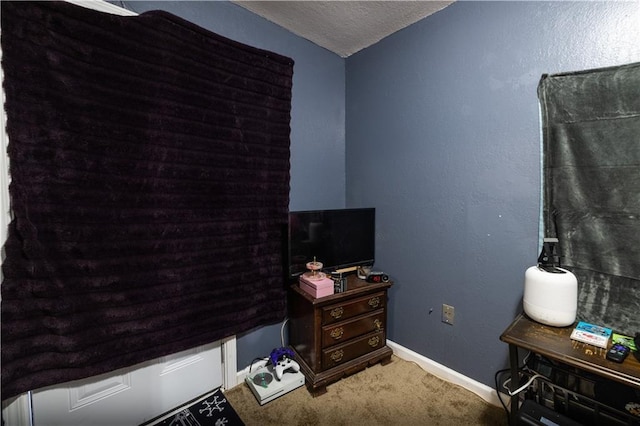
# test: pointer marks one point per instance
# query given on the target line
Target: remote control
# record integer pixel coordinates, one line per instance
(618, 352)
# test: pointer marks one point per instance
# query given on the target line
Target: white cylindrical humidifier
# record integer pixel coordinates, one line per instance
(550, 292)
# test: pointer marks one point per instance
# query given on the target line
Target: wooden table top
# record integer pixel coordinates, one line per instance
(555, 344)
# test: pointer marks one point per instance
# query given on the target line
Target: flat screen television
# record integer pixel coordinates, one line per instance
(340, 238)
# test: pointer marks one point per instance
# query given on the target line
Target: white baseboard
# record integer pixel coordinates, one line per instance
(445, 373)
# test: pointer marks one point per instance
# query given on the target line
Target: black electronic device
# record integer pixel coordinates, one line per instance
(377, 277)
(339, 238)
(533, 414)
(618, 352)
(549, 258)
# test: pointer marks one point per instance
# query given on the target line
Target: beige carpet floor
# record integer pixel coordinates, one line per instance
(400, 393)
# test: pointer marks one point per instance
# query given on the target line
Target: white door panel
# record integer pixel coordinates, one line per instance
(133, 395)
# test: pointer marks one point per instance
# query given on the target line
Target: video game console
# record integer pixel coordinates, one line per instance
(287, 375)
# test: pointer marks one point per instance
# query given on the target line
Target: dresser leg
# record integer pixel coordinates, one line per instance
(385, 361)
(321, 390)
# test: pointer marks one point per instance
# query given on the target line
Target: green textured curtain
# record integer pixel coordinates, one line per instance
(591, 137)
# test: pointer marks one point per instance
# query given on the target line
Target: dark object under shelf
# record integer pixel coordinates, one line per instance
(586, 398)
(534, 414)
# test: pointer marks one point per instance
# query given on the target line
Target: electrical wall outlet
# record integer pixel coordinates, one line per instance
(448, 314)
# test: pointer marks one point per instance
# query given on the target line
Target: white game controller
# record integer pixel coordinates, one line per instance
(285, 364)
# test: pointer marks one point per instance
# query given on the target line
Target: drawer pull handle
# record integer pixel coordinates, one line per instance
(378, 324)
(337, 312)
(374, 302)
(374, 341)
(337, 333)
(337, 355)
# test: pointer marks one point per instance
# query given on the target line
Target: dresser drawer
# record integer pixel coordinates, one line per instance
(352, 349)
(343, 331)
(353, 307)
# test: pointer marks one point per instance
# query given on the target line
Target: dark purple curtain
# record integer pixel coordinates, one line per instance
(149, 161)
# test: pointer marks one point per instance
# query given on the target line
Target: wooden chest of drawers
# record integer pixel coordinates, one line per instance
(338, 335)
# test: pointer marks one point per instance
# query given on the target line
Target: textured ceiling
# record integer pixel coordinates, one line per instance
(343, 27)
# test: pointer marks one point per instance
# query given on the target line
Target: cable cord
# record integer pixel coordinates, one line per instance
(521, 388)
(495, 378)
(31, 416)
(266, 358)
(257, 359)
(528, 383)
(282, 332)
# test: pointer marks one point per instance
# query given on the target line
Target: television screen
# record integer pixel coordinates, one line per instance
(339, 238)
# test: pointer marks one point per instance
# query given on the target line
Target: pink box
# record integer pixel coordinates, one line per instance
(317, 288)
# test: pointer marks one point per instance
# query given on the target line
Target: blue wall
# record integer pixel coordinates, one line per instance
(443, 139)
(442, 126)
